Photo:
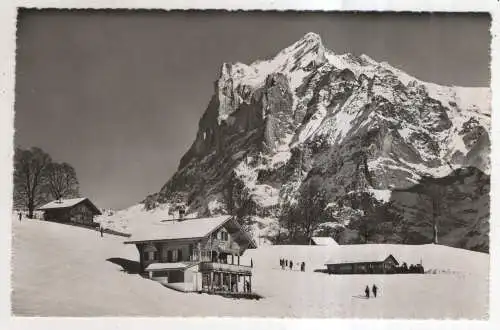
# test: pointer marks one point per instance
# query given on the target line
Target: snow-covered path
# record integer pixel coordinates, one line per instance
(61, 270)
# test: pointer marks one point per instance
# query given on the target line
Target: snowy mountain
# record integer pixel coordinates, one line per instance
(311, 134)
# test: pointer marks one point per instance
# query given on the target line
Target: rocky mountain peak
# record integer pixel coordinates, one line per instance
(336, 135)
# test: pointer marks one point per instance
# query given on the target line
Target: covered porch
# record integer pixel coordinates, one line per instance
(225, 278)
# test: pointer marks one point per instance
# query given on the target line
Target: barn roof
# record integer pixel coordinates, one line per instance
(346, 254)
(188, 229)
(66, 203)
(324, 241)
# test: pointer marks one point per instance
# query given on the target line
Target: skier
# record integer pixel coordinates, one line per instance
(251, 262)
(286, 263)
(20, 216)
(367, 292)
(291, 264)
(374, 290)
(102, 231)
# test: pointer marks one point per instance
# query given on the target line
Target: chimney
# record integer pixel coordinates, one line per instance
(182, 211)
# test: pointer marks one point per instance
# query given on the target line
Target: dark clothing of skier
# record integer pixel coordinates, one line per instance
(286, 263)
(102, 232)
(374, 290)
(251, 263)
(367, 292)
(291, 264)
(20, 216)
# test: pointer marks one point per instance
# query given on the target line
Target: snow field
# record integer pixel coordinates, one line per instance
(61, 270)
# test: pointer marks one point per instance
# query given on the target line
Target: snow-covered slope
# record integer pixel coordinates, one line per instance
(60, 270)
(311, 129)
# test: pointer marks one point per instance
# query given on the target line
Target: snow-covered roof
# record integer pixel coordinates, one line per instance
(169, 230)
(167, 266)
(65, 203)
(324, 241)
(358, 253)
(62, 203)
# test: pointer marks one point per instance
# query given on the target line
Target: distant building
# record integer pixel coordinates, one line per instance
(367, 262)
(323, 241)
(75, 210)
(201, 255)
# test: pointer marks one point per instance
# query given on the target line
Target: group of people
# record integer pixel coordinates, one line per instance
(418, 268)
(284, 264)
(374, 290)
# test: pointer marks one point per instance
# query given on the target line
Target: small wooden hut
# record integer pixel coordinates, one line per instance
(75, 210)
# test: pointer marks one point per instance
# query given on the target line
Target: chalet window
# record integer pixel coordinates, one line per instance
(224, 236)
(169, 256)
(174, 255)
(179, 255)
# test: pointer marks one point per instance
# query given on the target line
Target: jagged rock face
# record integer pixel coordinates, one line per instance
(348, 123)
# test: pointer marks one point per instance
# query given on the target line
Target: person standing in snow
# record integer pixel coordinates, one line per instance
(374, 290)
(286, 263)
(20, 216)
(291, 264)
(102, 231)
(367, 292)
(251, 262)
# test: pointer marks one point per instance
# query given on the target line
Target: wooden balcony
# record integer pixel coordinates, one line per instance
(229, 268)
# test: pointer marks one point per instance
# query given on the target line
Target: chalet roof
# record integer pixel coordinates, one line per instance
(346, 254)
(185, 229)
(65, 203)
(324, 241)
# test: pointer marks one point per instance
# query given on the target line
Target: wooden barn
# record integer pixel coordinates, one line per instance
(75, 210)
(196, 255)
(366, 262)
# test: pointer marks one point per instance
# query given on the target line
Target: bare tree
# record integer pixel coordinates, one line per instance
(61, 180)
(437, 194)
(29, 178)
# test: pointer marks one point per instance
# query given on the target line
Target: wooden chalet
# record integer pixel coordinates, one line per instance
(361, 262)
(196, 255)
(75, 210)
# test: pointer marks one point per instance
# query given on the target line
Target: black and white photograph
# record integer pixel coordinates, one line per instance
(261, 164)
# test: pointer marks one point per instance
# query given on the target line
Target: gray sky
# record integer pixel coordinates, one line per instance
(118, 94)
